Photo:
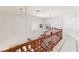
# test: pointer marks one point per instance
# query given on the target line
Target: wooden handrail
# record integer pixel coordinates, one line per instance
(36, 45)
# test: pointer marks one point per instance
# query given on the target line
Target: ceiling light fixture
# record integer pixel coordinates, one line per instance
(21, 11)
(37, 10)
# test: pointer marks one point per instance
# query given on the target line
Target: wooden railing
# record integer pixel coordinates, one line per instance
(44, 43)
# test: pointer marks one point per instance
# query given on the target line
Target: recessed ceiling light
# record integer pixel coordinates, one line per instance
(20, 8)
(37, 10)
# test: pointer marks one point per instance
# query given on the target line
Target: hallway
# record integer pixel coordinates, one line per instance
(68, 44)
(20, 23)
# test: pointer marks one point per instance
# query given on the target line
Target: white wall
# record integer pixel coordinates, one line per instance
(15, 29)
(77, 26)
(69, 24)
(12, 30)
(55, 22)
(34, 33)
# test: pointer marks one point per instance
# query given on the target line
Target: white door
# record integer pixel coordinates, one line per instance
(69, 25)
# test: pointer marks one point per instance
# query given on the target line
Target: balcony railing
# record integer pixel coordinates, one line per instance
(44, 43)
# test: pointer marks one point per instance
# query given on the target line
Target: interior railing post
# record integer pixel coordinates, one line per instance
(51, 41)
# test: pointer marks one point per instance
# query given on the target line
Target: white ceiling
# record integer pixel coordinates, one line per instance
(50, 11)
(12, 9)
(44, 11)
